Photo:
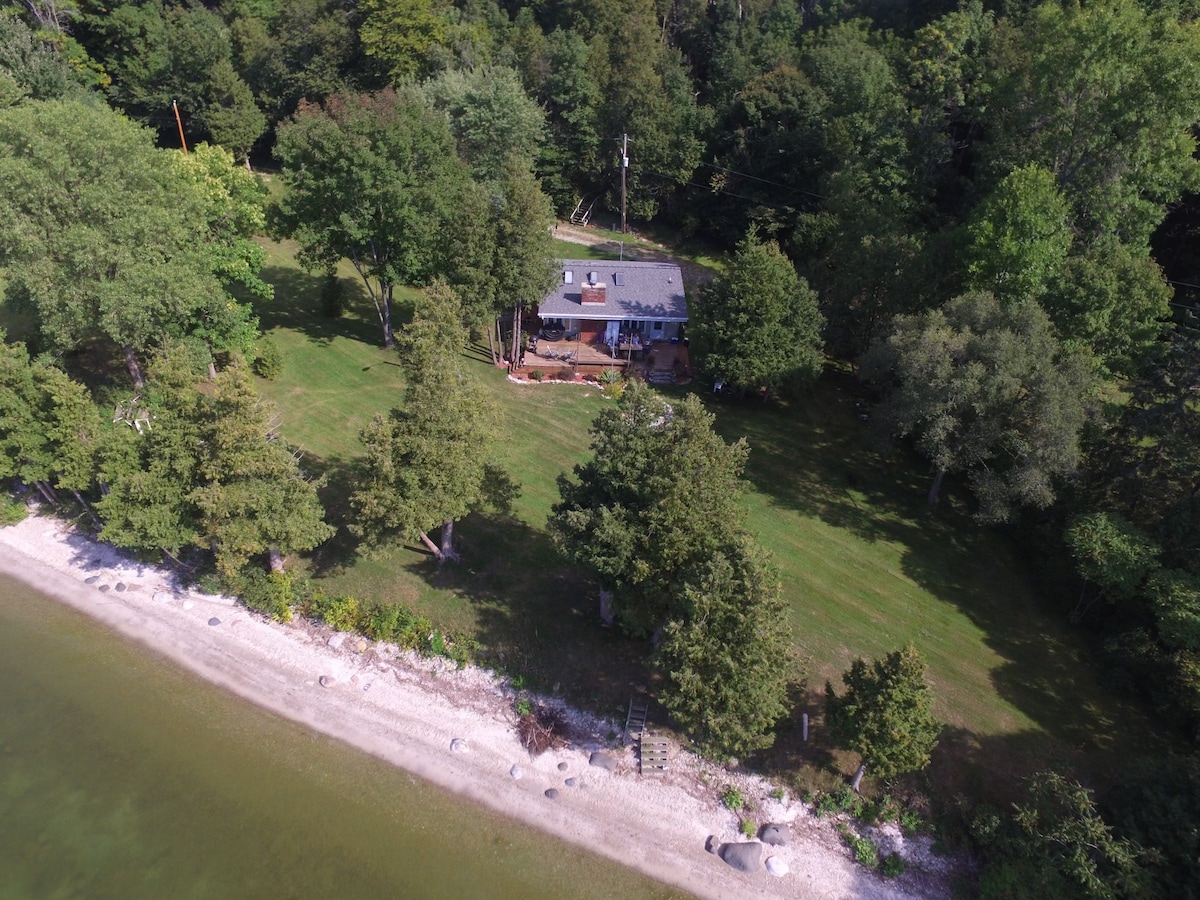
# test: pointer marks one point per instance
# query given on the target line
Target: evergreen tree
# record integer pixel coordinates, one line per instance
(429, 463)
(48, 425)
(252, 498)
(660, 495)
(726, 658)
(885, 715)
(759, 325)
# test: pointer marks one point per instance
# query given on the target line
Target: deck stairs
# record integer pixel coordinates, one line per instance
(580, 216)
(652, 749)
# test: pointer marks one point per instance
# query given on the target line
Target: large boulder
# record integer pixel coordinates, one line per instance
(743, 856)
(603, 761)
(775, 835)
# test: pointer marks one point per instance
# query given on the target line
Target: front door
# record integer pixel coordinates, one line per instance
(612, 331)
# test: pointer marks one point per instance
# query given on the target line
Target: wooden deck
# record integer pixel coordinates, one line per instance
(661, 362)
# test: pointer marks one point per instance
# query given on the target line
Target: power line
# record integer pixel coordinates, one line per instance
(777, 184)
(716, 190)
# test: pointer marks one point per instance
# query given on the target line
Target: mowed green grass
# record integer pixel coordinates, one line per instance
(865, 565)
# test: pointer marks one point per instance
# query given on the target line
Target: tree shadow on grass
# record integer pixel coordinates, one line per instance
(343, 550)
(537, 617)
(298, 306)
(817, 457)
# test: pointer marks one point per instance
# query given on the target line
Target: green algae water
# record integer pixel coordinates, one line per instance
(123, 776)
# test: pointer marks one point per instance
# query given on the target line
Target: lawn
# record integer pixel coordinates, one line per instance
(865, 565)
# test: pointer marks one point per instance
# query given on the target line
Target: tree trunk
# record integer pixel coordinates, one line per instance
(515, 354)
(276, 559)
(46, 491)
(448, 552)
(385, 313)
(135, 369)
(858, 777)
(607, 616)
(936, 488)
(433, 548)
(87, 507)
(492, 343)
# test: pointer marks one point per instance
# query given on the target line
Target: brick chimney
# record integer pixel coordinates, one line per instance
(592, 294)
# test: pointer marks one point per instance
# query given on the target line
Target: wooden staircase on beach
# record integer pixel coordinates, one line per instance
(652, 750)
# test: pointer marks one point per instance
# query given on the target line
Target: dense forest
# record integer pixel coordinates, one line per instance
(985, 211)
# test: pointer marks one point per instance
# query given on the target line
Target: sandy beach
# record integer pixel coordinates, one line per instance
(408, 710)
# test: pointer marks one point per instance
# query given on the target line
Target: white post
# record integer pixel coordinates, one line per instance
(804, 725)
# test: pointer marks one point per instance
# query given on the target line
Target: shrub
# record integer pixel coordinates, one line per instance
(268, 361)
(272, 594)
(340, 613)
(383, 622)
(748, 828)
(776, 794)
(609, 376)
(892, 865)
(437, 644)
(733, 799)
(12, 510)
(865, 851)
(537, 375)
(523, 706)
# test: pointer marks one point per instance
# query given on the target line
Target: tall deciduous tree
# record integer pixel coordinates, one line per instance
(726, 658)
(429, 463)
(758, 325)
(1058, 845)
(1104, 96)
(660, 495)
(104, 238)
(986, 390)
(1111, 554)
(1019, 236)
(886, 714)
(491, 116)
(1112, 301)
(374, 179)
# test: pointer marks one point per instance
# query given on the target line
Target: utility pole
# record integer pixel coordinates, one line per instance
(179, 122)
(624, 168)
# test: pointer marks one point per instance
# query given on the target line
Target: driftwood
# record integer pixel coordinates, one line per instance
(541, 730)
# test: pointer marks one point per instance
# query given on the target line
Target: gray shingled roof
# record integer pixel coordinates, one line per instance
(652, 290)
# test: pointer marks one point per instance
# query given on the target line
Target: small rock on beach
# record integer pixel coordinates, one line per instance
(92, 579)
(516, 773)
(572, 782)
(458, 745)
(562, 767)
(777, 866)
(214, 621)
(325, 681)
(336, 640)
(120, 587)
(552, 793)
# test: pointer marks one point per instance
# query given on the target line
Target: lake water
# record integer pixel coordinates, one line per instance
(124, 777)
